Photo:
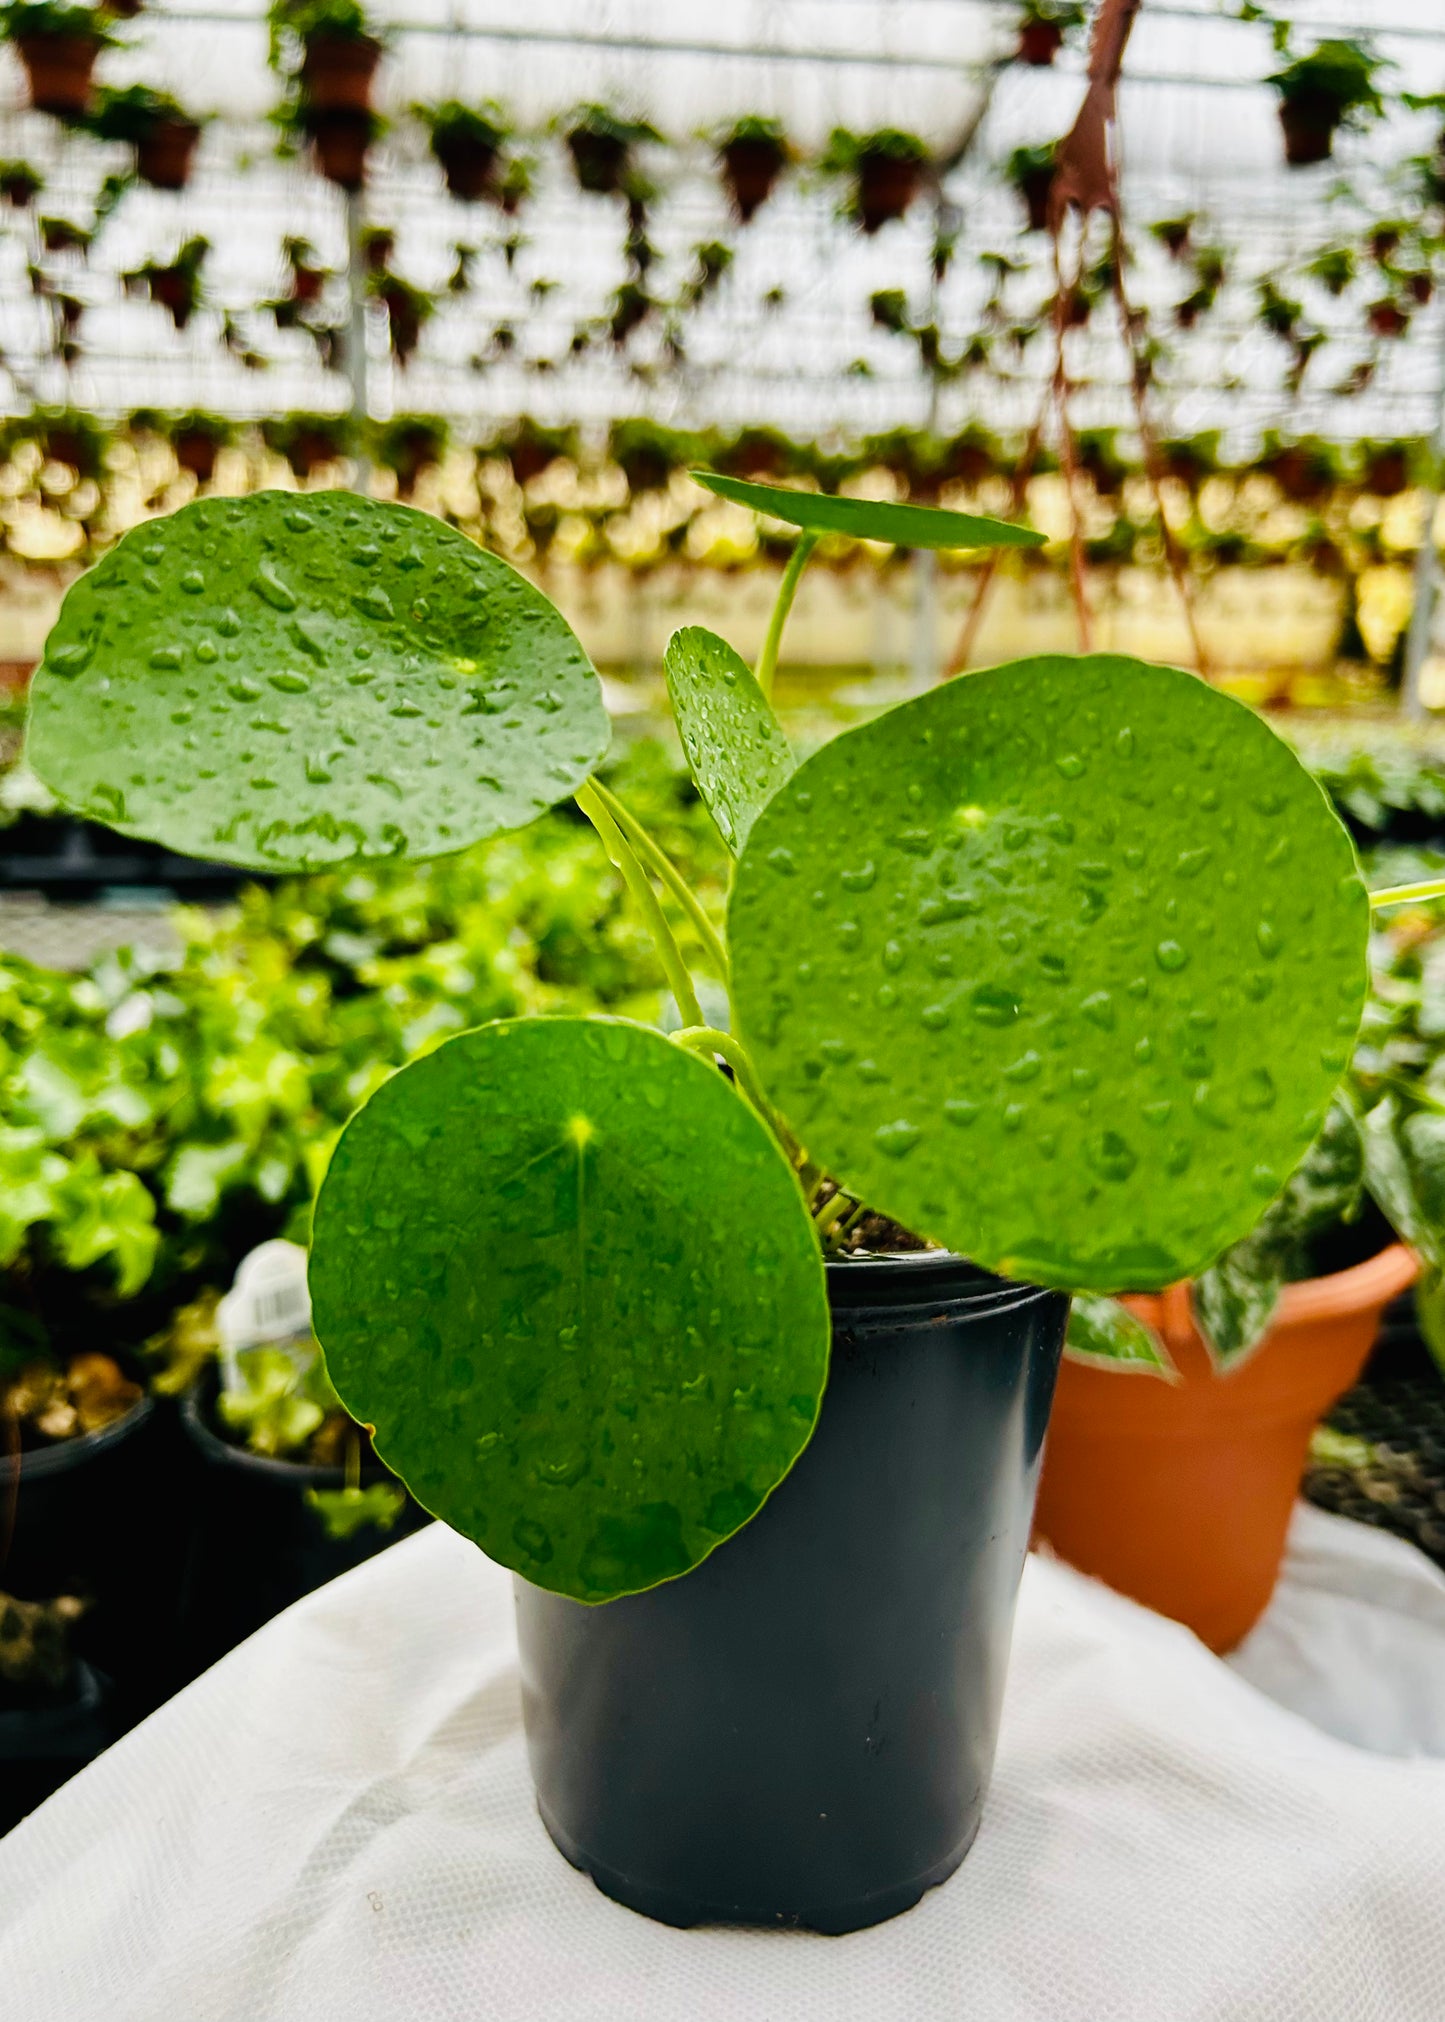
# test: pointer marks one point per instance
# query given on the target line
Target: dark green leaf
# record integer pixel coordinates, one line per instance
(1104, 1332)
(735, 745)
(1058, 964)
(866, 519)
(1430, 1314)
(1234, 1300)
(568, 1276)
(279, 681)
(1394, 1178)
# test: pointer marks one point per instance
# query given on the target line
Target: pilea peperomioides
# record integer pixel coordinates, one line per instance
(1058, 965)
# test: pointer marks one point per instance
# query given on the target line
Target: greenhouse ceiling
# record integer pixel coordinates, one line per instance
(1276, 298)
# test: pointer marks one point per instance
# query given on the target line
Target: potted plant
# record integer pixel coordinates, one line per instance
(329, 48)
(197, 439)
(308, 441)
(467, 143)
(753, 153)
(1030, 169)
(160, 130)
(287, 1492)
(884, 171)
(58, 43)
(176, 283)
(602, 146)
(992, 996)
(1043, 24)
(408, 443)
(408, 309)
(1335, 85)
(20, 184)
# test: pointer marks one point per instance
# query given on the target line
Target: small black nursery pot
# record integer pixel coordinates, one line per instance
(801, 1729)
(257, 1542)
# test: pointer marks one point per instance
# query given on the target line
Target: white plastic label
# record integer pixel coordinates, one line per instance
(269, 1304)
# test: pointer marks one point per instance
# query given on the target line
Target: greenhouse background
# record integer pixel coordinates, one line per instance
(528, 270)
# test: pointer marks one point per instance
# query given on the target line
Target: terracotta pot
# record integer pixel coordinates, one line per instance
(469, 165)
(751, 167)
(1180, 1494)
(1308, 123)
(1035, 188)
(887, 185)
(340, 141)
(163, 157)
(336, 72)
(59, 68)
(1039, 43)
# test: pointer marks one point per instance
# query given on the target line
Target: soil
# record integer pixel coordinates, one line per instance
(49, 1404)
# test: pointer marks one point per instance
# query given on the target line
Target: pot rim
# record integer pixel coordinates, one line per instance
(218, 1452)
(39, 1462)
(890, 1280)
(1375, 1282)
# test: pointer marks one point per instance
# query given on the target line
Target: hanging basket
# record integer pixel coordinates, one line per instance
(1039, 43)
(599, 160)
(751, 167)
(163, 157)
(887, 185)
(59, 68)
(337, 71)
(1309, 122)
(468, 163)
(195, 451)
(341, 140)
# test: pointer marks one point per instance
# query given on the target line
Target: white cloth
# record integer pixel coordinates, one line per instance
(336, 1825)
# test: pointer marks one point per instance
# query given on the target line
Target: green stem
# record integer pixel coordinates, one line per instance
(662, 867)
(640, 886)
(1401, 895)
(768, 659)
(707, 1039)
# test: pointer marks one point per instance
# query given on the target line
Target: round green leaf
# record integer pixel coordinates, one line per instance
(1058, 964)
(285, 681)
(867, 519)
(735, 745)
(567, 1275)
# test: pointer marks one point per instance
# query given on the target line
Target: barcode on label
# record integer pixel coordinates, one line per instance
(284, 1307)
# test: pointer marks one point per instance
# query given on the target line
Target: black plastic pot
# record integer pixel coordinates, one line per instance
(256, 1543)
(42, 1746)
(801, 1729)
(98, 1517)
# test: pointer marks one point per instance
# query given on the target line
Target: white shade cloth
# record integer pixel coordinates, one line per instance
(336, 1825)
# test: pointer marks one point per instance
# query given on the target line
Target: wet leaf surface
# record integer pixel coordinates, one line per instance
(287, 682)
(564, 1271)
(867, 519)
(1058, 964)
(735, 745)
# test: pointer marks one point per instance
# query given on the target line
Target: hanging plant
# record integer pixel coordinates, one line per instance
(308, 277)
(531, 449)
(378, 243)
(307, 441)
(1276, 311)
(1174, 234)
(1030, 170)
(1334, 269)
(602, 147)
(160, 130)
(631, 307)
(408, 309)
(20, 184)
(1336, 85)
(63, 435)
(884, 170)
(175, 284)
(1385, 471)
(329, 50)
(1305, 471)
(1420, 287)
(59, 235)
(408, 444)
(196, 439)
(467, 143)
(752, 154)
(648, 453)
(711, 261)
(1043, 24)
(58, 43)
(341, 141)
(1387, 318)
